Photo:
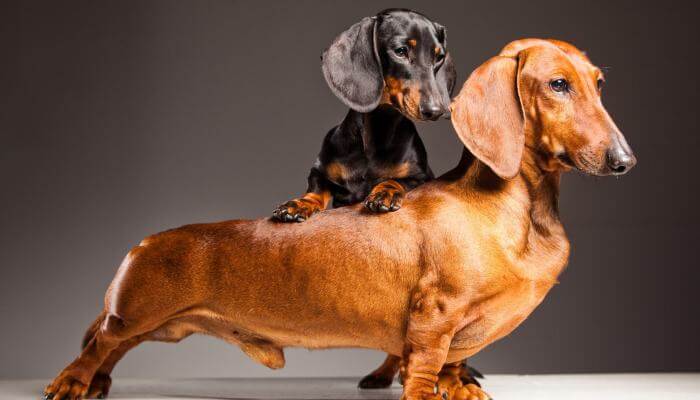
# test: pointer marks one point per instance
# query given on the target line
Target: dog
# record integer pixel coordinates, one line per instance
(388, 69)
(468, 257)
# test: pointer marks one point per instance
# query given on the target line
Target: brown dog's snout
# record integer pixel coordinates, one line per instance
(619, 156)
(620, 161)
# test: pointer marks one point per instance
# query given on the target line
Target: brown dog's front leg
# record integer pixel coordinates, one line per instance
(424, 362)
(431, 327)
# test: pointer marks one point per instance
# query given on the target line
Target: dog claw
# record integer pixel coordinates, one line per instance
(293, 211)
(383, 201)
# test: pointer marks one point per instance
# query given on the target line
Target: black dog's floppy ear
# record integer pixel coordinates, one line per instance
(447, 74)
(351, 66)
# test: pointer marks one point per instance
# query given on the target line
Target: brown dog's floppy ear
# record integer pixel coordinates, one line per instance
(488, 117)
(351, 66)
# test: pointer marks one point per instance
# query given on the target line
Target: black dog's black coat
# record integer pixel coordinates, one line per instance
(387, 69)
(365, 150)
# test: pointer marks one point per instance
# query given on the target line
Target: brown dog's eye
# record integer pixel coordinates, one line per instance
(401, 51)
(559, 85)
(600, 84)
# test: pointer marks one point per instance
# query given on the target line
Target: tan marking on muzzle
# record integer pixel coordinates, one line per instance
(405, 98)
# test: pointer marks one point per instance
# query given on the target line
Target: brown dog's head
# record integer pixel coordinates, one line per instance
(544, 95)
(398, 57)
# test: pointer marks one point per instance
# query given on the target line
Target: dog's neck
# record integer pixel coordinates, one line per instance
(542, 187)
(376, 128)
(542, 252)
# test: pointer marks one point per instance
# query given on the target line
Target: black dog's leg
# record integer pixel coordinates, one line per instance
(316, 198)
(388, 195)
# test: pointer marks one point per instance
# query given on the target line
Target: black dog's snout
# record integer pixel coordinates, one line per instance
(431, 111)
(620, 161)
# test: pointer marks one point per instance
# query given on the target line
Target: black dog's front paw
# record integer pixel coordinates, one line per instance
(384, 200)
(294, 211)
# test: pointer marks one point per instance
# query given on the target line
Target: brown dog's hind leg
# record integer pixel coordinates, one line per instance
(383, 376)
(74, 380)
(170, 332)
(101, 381)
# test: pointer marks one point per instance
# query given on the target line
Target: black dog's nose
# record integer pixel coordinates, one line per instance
(620, 161)
(431, 112)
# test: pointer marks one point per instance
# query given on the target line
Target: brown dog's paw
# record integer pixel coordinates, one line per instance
(294, 211)
(421, 396)
(451, 388)
(384, 199)
(99, 387)
(65, 387)
(471, 392)
(378, 381)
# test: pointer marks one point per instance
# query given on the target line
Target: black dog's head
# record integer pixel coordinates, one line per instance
(398, 57)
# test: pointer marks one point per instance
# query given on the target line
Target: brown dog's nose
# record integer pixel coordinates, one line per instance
(620, 161)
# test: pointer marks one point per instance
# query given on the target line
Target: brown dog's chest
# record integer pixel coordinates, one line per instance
(506, 281)
(495, 317)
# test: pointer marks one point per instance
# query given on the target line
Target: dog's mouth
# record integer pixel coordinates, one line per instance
(566, 160)
(585, 167)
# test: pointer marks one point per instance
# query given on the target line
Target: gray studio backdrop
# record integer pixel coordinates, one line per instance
(121, 119)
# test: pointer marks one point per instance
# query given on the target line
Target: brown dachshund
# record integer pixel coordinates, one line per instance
(461, 265)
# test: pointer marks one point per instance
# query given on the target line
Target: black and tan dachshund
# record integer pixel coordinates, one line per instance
(389, 69)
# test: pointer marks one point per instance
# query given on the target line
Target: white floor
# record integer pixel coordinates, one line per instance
(501, 387)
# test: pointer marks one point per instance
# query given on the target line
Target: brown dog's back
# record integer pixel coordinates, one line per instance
(285, 283)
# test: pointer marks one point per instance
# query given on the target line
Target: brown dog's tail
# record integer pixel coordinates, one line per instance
(93, 329)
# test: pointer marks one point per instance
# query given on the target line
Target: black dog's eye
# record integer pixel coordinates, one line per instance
(600, 84)
(401, 51)
(439, 57)
(559, 85)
